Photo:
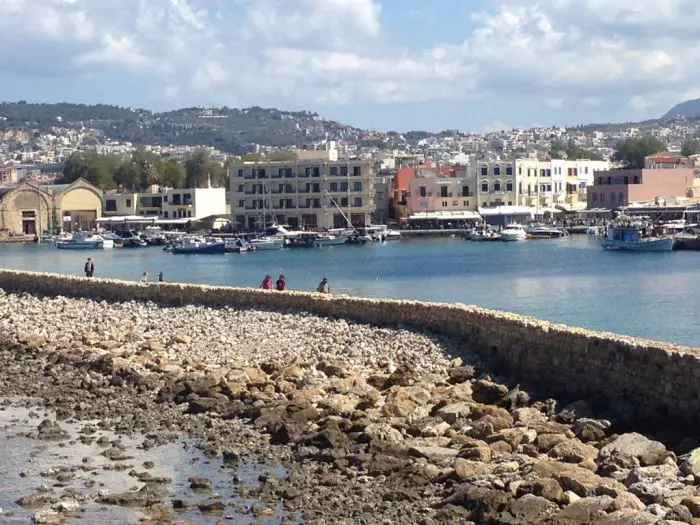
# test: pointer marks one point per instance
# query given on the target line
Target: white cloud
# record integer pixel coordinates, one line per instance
(305, 52)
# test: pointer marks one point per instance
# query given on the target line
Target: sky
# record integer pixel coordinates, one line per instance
(473, 65)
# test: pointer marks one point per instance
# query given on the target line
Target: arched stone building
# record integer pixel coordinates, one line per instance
(30, 209)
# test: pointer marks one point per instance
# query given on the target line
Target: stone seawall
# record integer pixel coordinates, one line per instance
(653, 382)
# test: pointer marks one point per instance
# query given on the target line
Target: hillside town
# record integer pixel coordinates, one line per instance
(417, 180)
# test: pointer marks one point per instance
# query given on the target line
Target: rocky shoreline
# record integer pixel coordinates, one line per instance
(372, 425)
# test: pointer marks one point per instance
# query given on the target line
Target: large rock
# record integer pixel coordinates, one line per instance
(573, 451)
(545, 488)
(693, 504)
(585, 510)
(454, 413)
(590, 429)
(488, 392)
(149, 494)
(530, 509)
(461, 374)
(648, 452)
(579, 480)
(546, 442)
(690, 463)
(435, 454)
(528, 416)
(465, 469)
(383, 433)
(628, 517)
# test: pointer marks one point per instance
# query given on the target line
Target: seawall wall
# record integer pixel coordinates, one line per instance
(658, 383)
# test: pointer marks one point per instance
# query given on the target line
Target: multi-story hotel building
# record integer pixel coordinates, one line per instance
(168, 203)
(311, 194)
(496, 184)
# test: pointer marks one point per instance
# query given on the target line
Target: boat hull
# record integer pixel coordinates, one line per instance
(67, 245)
(207, 249)
(655, 245)
(513, 237)
(687, 242)
(266, 245)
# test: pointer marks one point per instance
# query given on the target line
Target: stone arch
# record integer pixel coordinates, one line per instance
(23, 205)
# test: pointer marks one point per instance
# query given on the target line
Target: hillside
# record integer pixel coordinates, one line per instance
(688, 109)
(231, 130)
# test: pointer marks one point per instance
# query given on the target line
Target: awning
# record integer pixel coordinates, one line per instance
(134, 219)
(445, 216)
(507, 210)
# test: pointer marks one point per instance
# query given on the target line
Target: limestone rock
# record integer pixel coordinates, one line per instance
(573, 451)
(690, 463)
(545, 488)
(465, 469)
(648, 452)
(383, 433)
(454, 413)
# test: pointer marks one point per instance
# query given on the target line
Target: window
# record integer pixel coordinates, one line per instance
(316, 172)
(241, 188)
(165, 198)
(189, 213)
(444, 204)
(317, 203)
(549, 173)
(465, 191)
(344, 201)
(509, 185)
(443, 191)
(600, 180)
(187, 197)
(626, 180)
(466, 203)
(261, 173)
(484, 187)
(316, 187)
(497, 170)
(636, 179)
(356, 171)
(602, 197)
(520, 170)
(609, 180)
(343, 186)
(240, 174)
(111, 205)
(128, 203)
(484, 171)
(343, 171)
(620, 197)
(549, 187)
(423, 191)
(307, 172)
(497, 185)
(165, 213)
(176, 199)
(510, 203)
(241, 204)
(595, 197)
(334, 186)
(356, 186)
(357, 203)
(509, 170)
(542, 173)
(455, 203)
(520, 187)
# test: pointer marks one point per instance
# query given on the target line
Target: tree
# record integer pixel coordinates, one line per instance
(632, 151)
(690, 147)
(199, 168)
(570, 151)
(174, 174)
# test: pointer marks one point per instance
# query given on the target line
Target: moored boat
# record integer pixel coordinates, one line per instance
(197, 245)
(545, 232)
(81, 241)
(629, 238)
(513, 232)
(267, 243)
(483, 235)
(331, 240)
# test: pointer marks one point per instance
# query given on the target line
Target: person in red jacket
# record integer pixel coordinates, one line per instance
(267, 283)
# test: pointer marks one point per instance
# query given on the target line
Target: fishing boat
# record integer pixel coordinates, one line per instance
(327, 239)
(513, 232)
(198, 245)
(82, 241)
(131, 239)
(238, 245)
(267, 243)
(154, 236)
(483, 235)
(628, 237)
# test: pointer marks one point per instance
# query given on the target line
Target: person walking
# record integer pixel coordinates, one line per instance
(323, 286)
(281, 283)
(89, 268)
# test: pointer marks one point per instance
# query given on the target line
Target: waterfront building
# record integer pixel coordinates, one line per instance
(621, 187)
(430, 191)
(30, 209)
(168, 203)
(8, 174)
(383, 189)
(496, 184)
(302, 194)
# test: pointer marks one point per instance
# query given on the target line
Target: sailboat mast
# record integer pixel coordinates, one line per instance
(340, 210)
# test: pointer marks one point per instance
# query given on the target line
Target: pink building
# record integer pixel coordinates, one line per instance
(620, 187)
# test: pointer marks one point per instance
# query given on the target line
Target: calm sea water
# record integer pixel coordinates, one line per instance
(572, 280)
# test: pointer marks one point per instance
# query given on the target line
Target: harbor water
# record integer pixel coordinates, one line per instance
(570, 280)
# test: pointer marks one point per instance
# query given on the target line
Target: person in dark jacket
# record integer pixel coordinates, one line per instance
(89, 268)
(323, 286)
(281, 283)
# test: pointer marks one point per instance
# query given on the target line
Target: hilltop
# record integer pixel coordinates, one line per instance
(231, 130)
(688, 109)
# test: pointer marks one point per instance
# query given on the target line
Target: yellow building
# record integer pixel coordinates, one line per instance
(8, 174)
(496, 184)
(30, 209)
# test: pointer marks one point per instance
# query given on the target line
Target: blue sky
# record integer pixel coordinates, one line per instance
(472, 65)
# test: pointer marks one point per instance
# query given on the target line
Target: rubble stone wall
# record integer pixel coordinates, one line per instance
(654, 381)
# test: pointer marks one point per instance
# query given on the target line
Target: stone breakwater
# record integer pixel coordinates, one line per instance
(649, 383)
(374, 425)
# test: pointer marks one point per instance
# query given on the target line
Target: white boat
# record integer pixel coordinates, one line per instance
(331, 240)
(393, 235)
(542, 231)
(483, 234)
(82, 241)
(513, 232)
(629, 238)
(267, 243)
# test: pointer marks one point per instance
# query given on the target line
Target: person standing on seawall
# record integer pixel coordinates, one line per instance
(89, 268)
(323, 286)
(161, 277)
